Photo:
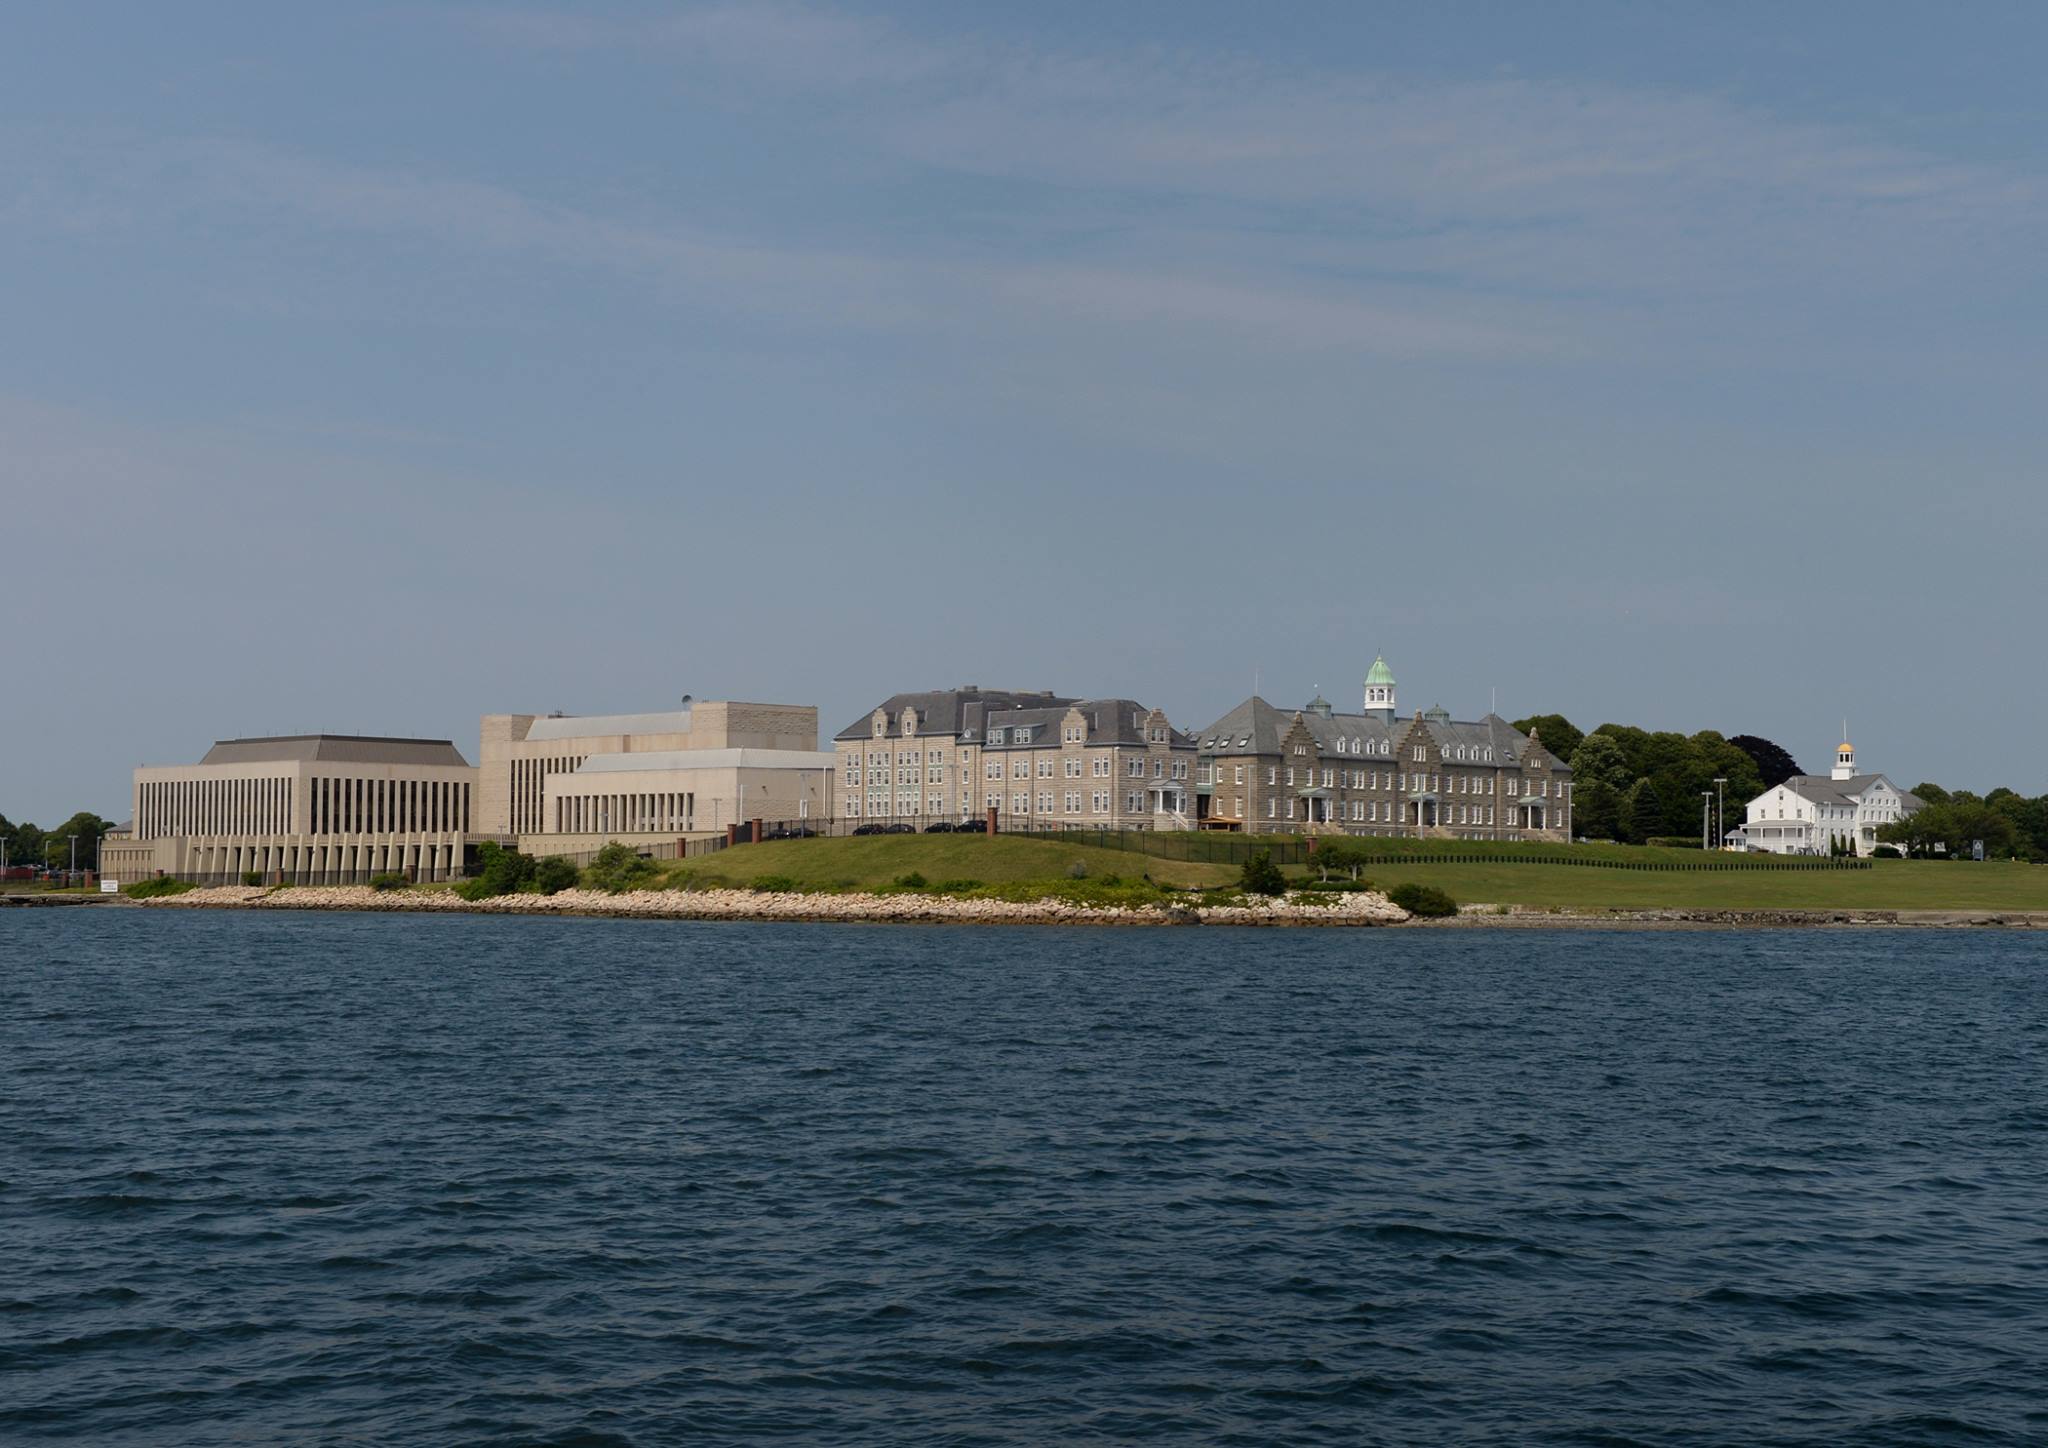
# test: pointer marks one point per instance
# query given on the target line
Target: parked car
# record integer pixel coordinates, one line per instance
(869, 829)
(943, 827)
(790, 832)
(971, 827)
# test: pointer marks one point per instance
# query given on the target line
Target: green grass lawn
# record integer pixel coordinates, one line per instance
(868, 861)
(864, 862)
(1887, 885)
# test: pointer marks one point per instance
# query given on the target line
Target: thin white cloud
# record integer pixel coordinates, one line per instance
(1534, 184)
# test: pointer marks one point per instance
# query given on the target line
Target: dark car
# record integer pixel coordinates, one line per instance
(869, 829)
(790, 832)
(971, 827)
(943, 827)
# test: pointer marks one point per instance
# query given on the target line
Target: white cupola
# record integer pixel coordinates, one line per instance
(1845, 758)
(1379, 690)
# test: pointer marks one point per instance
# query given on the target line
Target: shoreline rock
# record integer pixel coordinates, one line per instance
(1357, 909)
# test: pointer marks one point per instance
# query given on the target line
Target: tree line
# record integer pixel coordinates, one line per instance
(27, 844)
(1635, 785)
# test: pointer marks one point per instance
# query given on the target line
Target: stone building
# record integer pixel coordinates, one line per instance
(333, 807)
(1036, 758)
(1264, 770)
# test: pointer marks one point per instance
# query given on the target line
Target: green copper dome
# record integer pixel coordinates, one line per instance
(1379, 673)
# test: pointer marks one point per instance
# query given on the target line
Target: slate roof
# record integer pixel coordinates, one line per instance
(335, 749)
(951, 711)
(1110, 721)
(1846, 793)
(1256, 727)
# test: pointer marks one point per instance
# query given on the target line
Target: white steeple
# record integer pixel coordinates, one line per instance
(1845, 757)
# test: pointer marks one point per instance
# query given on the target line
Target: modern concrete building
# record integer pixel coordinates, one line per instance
(1265, 770)
(332, 807)
(1808, 815)
(566, 783)
(1036, 758)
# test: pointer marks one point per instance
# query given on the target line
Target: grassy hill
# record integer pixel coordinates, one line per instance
(1451, 865)
(865, 862)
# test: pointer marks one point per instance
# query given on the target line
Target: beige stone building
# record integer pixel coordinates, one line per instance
(1265, 770)
(566, 783)
(330, 807)
(1035, 758)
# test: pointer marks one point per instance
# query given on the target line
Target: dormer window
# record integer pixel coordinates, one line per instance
(995, 736)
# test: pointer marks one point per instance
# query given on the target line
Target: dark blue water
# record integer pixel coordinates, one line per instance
(410, 1180)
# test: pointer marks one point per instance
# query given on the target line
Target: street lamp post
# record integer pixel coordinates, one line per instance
(71, 876)
(1720, 811)
(1706, 816)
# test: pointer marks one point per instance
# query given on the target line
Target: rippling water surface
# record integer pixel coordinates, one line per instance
(403, 1180)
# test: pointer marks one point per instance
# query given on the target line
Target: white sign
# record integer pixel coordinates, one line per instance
(110, 887)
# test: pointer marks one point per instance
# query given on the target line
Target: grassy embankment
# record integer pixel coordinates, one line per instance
(870, 862)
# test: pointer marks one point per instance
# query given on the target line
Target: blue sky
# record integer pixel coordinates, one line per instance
(370, 367)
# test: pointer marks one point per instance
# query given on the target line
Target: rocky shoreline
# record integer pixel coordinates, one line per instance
(1358, 909)
(1344, 909)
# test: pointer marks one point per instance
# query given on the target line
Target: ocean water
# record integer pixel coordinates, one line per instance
(415, 1180)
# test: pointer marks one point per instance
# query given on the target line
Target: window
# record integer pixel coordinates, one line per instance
(1240, 775)
(1020, 803)
(1073, 768)
(1290, 774)
(1102, 766)
(1045, 802)
(1272, 774)
(1101, 801)
(993, 769)
(1133, 802)
(995, 736)
(1421, 754)
(1020, 769)
(1045, 767)
(1272, 808)
(1073, 801)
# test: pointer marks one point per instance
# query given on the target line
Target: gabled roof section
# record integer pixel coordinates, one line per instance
(335, 749)
(950, 711)
(1822, 789)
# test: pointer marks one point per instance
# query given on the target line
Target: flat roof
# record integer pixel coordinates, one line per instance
(335, 749)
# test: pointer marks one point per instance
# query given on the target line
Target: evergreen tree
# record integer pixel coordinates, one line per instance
(1643, 812)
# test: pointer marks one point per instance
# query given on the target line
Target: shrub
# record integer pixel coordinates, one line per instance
(911, 881)
(152, 889)
(955, 887)
(389, 880)
(499, 872)
(252, 877)
(553, 875)
(1887, 852)
(1078, 870)
(1261, 876)
(775, 884)
(618, 868)
(1424, 900)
